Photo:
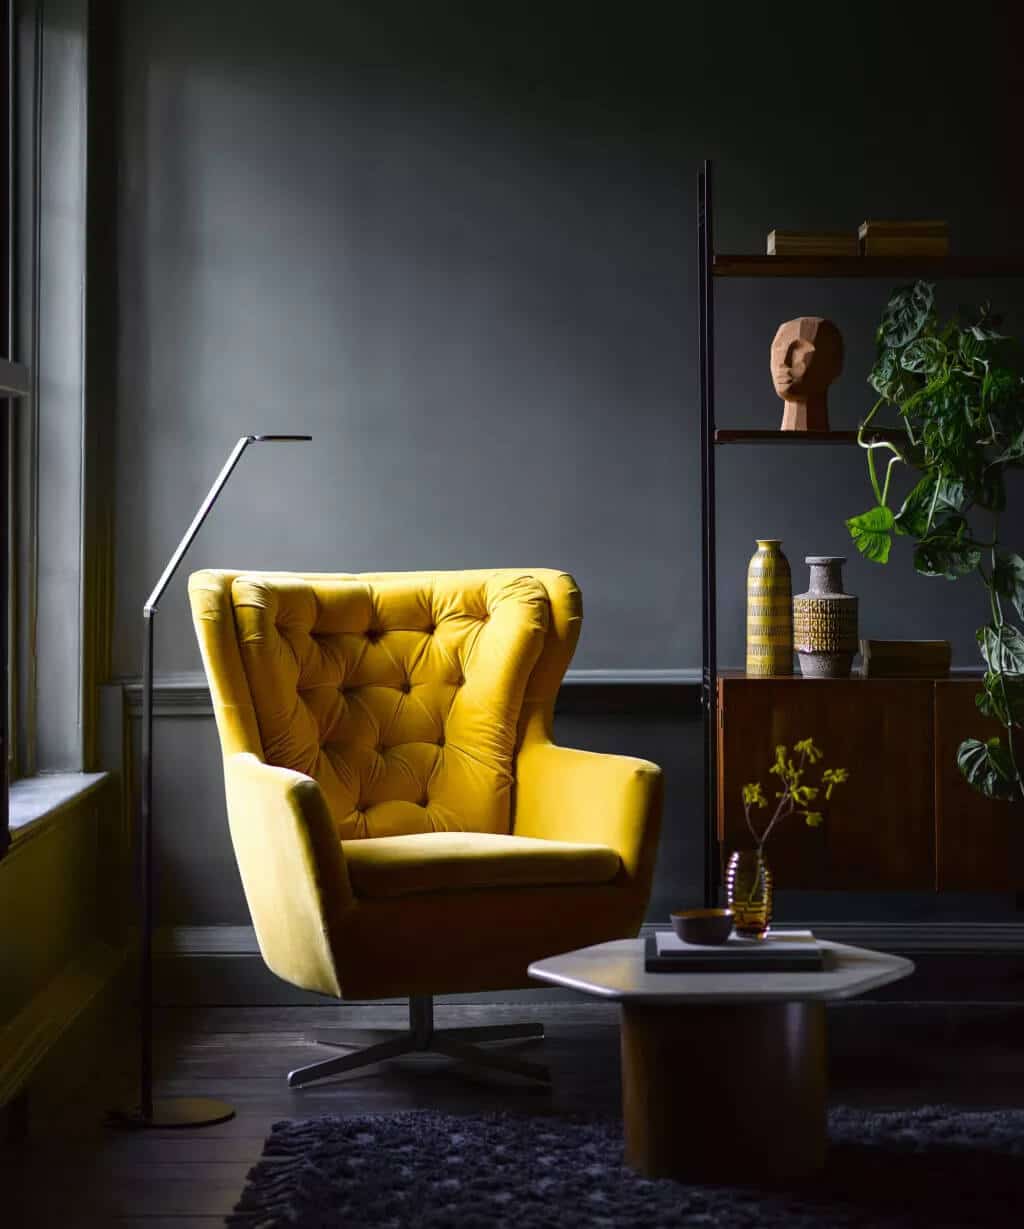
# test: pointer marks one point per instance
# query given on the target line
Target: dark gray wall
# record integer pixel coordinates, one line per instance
(455, 241)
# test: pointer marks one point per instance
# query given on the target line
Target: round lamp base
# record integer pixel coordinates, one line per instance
(175, 1112)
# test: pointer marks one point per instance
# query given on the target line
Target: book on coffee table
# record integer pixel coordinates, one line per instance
(784, 951)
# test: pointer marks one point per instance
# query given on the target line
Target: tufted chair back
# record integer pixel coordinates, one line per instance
(405, 696)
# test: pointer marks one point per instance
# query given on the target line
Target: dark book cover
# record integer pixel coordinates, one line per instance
(732, 960)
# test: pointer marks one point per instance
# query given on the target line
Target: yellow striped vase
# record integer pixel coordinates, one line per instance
(769, 611)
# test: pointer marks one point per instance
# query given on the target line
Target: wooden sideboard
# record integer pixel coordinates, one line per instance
(906, 819)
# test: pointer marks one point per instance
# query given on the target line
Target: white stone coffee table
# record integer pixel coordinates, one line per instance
(723, 1074)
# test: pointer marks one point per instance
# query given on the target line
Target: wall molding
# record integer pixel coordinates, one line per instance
(187, 694)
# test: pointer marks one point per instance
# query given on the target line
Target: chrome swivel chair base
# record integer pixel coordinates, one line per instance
(462, 1044)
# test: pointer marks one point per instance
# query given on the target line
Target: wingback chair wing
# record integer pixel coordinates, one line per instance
(403, 822)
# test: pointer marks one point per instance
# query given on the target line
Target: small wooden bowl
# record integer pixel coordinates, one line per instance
(705, 926)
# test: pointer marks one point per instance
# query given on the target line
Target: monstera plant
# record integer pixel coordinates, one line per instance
(958, 389)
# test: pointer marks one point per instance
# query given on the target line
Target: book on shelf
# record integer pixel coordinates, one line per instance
(811, 243)
(903, 226)
(903, 238)
(905, 658)
(794, 951)
(905, 247)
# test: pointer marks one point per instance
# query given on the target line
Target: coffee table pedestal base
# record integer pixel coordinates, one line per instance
(733, 1092)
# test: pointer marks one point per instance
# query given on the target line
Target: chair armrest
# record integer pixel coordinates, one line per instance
(292, 867)
(568, 795)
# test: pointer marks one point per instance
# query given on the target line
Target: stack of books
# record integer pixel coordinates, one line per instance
(914, 659)
(811, 243)
(784, 951)
(910, 238)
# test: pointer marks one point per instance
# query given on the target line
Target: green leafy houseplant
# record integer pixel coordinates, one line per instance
(959, 391)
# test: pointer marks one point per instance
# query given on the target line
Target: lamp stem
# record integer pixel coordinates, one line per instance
(146, 840)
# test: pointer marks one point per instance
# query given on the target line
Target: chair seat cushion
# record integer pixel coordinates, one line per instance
(445, 861)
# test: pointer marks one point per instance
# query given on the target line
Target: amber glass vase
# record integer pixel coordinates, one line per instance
(748, 884)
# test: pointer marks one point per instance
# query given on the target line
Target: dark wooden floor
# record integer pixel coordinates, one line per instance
(71, 1170)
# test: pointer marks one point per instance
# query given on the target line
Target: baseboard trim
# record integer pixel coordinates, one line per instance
(926, 938)
(222, 965)
(43, 1024)
(904, 938)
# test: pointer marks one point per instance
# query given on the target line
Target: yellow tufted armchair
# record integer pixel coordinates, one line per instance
(402, 821)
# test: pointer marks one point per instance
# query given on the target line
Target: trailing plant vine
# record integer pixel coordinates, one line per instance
(958, 388)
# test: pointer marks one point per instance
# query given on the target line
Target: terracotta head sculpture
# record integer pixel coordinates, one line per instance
(807, 355)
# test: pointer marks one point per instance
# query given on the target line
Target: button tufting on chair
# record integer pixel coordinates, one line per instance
(406, 688)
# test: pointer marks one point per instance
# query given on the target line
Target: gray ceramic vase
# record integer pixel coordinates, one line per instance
(825, 621)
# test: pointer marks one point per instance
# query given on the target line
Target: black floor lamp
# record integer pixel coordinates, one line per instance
(171, 1111)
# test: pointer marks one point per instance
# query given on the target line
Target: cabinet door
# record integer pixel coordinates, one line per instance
(879, 829)
(980, 842)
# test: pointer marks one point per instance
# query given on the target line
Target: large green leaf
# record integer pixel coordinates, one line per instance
(1004, 654)
(912, 518)
(882, 374)
(906, 314)
(969, 349)
(925, 356)
(1008, 578)
(889, 379)
(951, 497)
(945, 554)
(984, 333)
(872, 533)
(938, 498)
(987, 767)
(1000, 386)
(1002, 697)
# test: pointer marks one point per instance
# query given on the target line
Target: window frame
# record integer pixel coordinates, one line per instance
(50, 719)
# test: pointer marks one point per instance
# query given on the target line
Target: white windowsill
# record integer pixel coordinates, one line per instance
(34, 800)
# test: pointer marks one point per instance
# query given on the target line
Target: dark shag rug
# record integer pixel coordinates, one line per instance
(934, 1167)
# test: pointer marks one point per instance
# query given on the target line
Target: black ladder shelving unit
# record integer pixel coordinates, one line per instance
(710, 266)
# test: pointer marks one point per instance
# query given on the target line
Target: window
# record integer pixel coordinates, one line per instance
(43, 132)
(13, 382)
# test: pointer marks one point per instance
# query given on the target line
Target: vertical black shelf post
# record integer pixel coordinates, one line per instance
(709, 678)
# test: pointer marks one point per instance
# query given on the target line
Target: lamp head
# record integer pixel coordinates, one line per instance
(278, 439)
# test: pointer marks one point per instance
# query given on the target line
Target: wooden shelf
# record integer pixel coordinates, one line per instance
(968, 674)
(740, 265)
(804, 437)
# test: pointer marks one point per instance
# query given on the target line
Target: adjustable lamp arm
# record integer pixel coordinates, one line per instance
(204, 509)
